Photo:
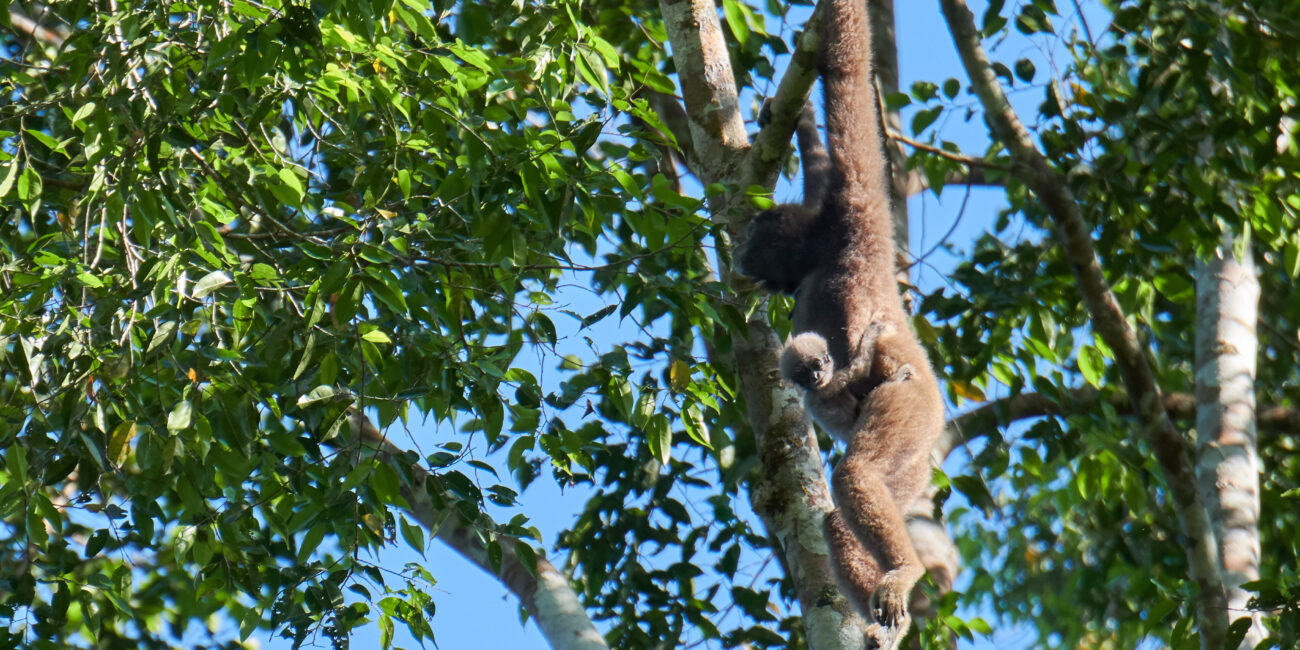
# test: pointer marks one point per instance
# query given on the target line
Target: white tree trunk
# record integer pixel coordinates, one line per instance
(1227, 465)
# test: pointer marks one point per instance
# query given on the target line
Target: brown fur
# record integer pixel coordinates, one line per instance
(833, 395)
(838, 260)
(779, 250)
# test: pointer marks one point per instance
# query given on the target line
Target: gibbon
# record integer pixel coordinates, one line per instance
(831, 395)
(836, 255)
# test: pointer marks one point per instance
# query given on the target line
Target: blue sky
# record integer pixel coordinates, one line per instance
(474, 610)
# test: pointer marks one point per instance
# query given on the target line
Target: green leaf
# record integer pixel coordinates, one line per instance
(85, 111)
(696, 428)
(600, 314)
(120, 440)
(376, 336)
(161, 336)
(36, 531)
(310, 542)
(181, 417)
(293, 183)
(735, 14)
(16, 462)
(527, 557)
(385, 631)
(1175, 286)
(659, 435)
(414, 535)
(1025, 70)
(95, 543)
(44, 139)
(249, 623)
(318, 395)
(387, 486)
(1092, 365)
(90, 280)
(404, 182)
(924, 118)
(11, 174)
(209, 283)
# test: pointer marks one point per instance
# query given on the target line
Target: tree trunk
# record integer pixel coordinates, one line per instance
(1227, 466)
(1108, 321)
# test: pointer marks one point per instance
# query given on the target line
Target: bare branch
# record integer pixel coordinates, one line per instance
(546, 595)
(24, 24)
(918, 183)
(773, 141)
(969, 161)
(1108, 321)
(980, 421)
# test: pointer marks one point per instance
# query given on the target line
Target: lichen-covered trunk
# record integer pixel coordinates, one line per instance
(1227, 466)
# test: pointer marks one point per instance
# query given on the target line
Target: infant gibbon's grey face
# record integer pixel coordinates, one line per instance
(806, 362)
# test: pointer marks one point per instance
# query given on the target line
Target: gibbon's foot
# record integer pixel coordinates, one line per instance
(883, 637)
(903, 373)
(880, 637)
(889, 602)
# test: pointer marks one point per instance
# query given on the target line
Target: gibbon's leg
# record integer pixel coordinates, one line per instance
(857, 573)
(887, 464)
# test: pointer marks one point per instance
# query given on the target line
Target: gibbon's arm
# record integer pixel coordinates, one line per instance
(864, 357)
(812, 154)
(782, 244)
(859, 184)
(816, 163)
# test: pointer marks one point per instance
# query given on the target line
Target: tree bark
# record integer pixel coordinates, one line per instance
(1108, 321)
(1227, 464)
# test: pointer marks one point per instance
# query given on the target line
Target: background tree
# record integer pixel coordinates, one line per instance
(249, 243)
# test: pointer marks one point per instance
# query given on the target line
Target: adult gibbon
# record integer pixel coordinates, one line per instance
(837, 257)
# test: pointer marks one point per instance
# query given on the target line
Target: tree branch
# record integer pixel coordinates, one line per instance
(546, 596)
(1171, 449)
(981, 420)
(24, 24)
(969, 161)
(1227, 458)
(916, 181)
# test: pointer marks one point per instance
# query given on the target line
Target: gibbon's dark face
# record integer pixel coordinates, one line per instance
(812, 374)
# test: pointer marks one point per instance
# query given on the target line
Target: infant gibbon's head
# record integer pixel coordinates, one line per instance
(806, 362)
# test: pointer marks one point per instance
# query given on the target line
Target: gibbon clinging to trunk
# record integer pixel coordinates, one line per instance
(837, 257)
(831, 395)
